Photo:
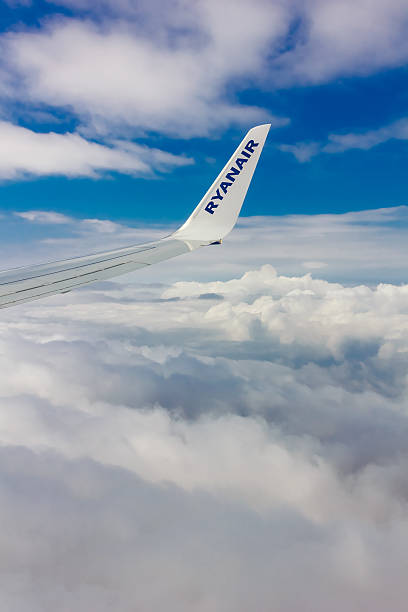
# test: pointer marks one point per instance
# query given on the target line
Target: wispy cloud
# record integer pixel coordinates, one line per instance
(367, 140)
(303, 151)
(338, 143)
(42, 216)
(357, 247)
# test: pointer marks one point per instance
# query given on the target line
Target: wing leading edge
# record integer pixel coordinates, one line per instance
(210, 222)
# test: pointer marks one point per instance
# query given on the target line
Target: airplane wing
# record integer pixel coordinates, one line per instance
(209, 223)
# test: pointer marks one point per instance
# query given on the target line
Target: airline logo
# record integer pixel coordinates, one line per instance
(245, 155)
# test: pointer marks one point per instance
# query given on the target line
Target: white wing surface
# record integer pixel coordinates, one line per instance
(213, 218)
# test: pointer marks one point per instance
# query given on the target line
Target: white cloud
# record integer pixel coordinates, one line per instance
(334, 39)
(177, 67)
(170, 77)
(367, 140)
(303, 151)
(338, 143)
(102, 226)
(150, 434)
(126, 68)
(82, 226)
(42, 216)
(27, 153)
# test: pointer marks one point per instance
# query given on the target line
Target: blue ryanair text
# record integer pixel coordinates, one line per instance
(230, 176)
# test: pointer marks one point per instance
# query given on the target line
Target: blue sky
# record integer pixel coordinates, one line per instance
(296, 68)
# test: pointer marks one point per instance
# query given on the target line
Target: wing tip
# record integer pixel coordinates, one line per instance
(262, 125)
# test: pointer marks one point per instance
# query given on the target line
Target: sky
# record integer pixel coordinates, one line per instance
(226, 430)
(144, 101)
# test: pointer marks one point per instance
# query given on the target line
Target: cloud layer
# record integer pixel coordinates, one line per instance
(357, 247)
(195, 445)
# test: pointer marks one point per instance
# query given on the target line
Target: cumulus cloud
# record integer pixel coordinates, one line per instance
(122, 69)
(27, 153)
(111, 63)
(335, 39)
(173, 85)
(150, 436)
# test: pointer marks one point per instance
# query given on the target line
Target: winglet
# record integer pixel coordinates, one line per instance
(218, 211)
